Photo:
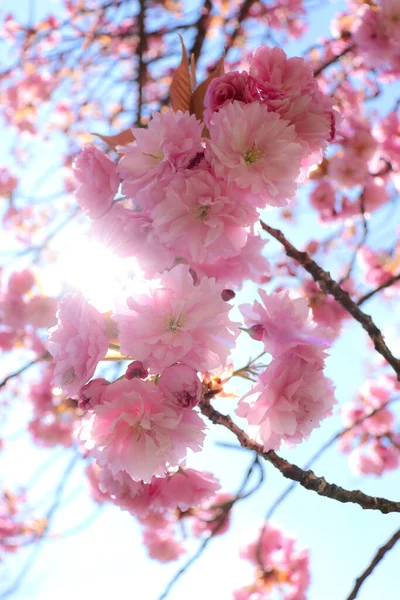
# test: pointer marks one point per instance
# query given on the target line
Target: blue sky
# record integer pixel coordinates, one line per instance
(107, 559)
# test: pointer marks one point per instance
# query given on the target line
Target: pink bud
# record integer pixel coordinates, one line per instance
(256, 332)
(180, 384)
(90, 395)
(136, 369)
(227, 295)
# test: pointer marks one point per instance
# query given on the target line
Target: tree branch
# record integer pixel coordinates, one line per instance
(307, 479)
(387, 283)
(328, 285)
(375, 561)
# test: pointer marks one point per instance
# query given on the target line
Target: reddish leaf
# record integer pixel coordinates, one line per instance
(181, 90)
(120, 139)
(197, 101)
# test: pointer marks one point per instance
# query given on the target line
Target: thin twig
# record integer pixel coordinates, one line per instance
(23, 369)
(375, 561)
(333, 60)
(222, 519)
(387, 284)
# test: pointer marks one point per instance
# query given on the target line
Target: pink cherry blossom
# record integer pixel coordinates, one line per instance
(177, 322)
(227, 88)
(162, 544)
(131, 233)
(98, 181)
(167, 145)
(181, 385)
(184, 489)
(214, 515)
(136, 430)
(91, 394)
(20, 282)
(41, 311)
(256, 150)
(287, 86)
(77, 343)
(290, 399)
(285, 324)
(348, 170)
(202, 218)
(323, 199)
(234, 271)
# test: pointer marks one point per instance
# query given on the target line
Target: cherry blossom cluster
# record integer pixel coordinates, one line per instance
(22, 311)
(16, 528)
(293, 395)
(372, 442)
(162, 506)
(183, 200)
(279, 567)
(193, 198)
(55, 416)
(375, 31)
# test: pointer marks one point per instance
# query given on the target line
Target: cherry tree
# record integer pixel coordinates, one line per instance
(195, 215)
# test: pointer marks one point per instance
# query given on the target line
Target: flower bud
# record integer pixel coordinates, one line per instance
(180, 384)
(90, 394)
(136, 369)
(227, 295)
(256, 332)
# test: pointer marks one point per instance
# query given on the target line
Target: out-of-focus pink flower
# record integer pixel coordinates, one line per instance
(389, 138)
(77, 343)
(8, 182)
(135, 429)
(177, 322)
(227, 88)
(348, 171)
(41, 392)
(51, 432)
(20, 282)
(256, 150)
(371, 38)
(181, 385)
(285, 324)
(284, 567)
(214, 516)
(167, 145)
(184, 489)
(291, 398)
(323, 199)
(93, 474)
(98, 181)
(326, 311)
(162, 545)
(374, 460)
(41, 311)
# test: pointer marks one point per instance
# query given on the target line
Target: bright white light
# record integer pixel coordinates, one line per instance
(97, 273)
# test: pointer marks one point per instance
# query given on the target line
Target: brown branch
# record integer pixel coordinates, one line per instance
(141, 75)
(387, 283)
(201, 26)
(375, 561)
(329, 286)
(244, 10)
(333, 60)
(23, 369)
(307, 479)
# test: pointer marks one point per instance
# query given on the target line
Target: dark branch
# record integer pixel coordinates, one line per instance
(387, 284)
(375, 561)
(328, 285)
(307, 479)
